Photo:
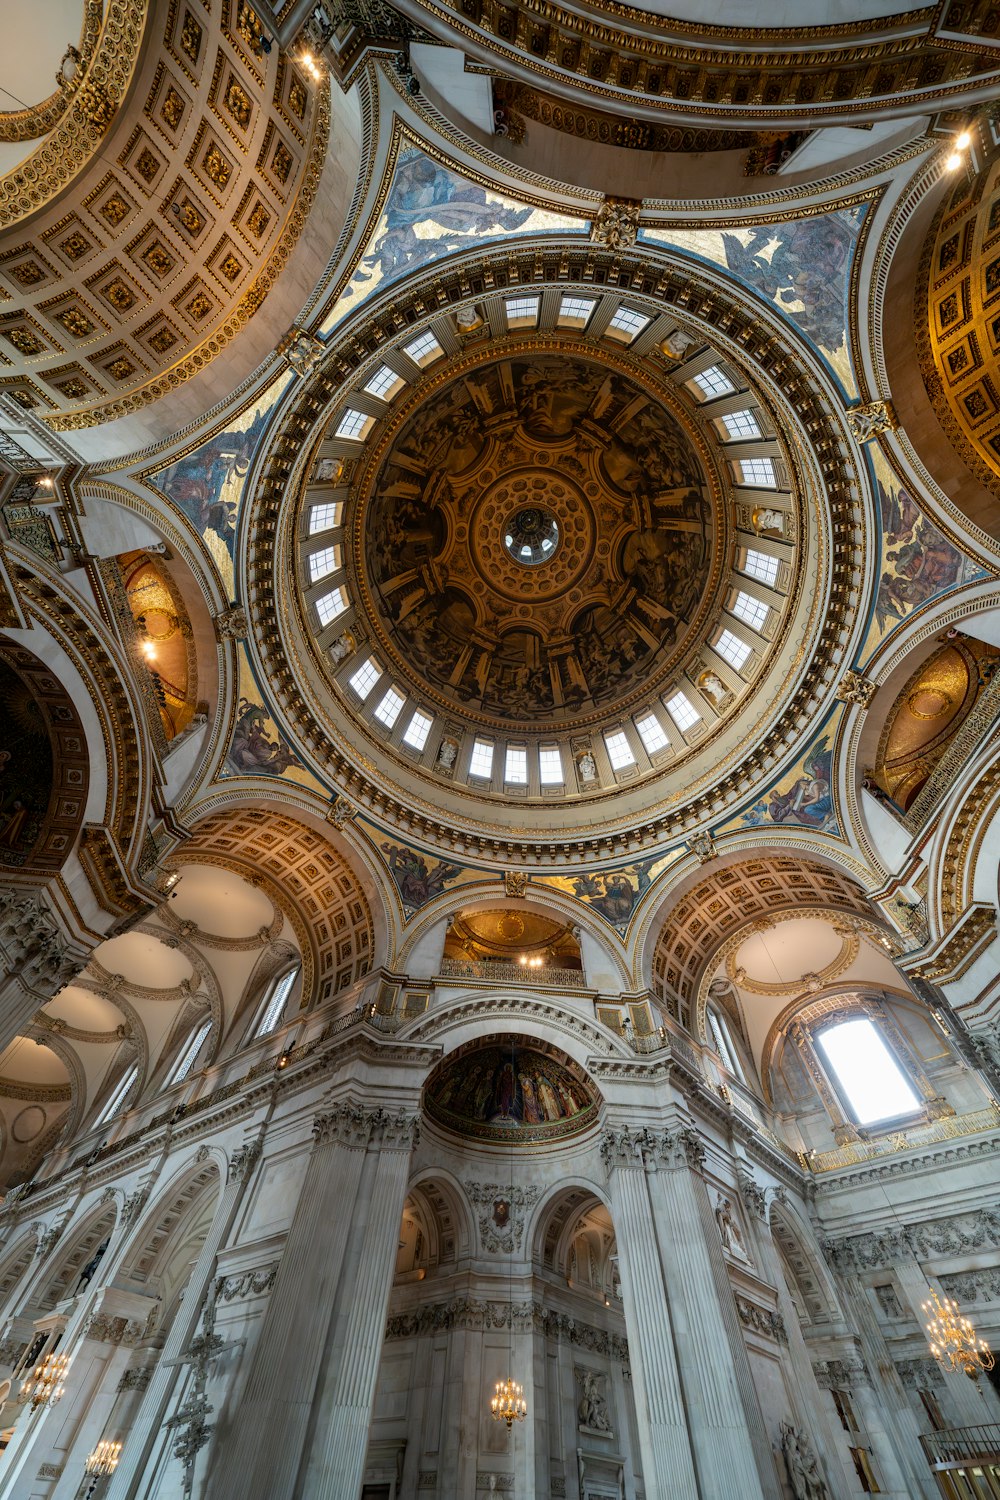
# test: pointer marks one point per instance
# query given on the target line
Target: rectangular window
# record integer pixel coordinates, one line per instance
(845, 1411)
(762, 566)
(628, 323)
(872, 1081)
(417, 730)
(323, 563)
(324, 517)
(741, 424)
(516, 766)
(652, 733)
(384, 383)
(712, 382)
(522, 312)
(354, 424)
(481, 763)
(866, 1473)
(550, 765)
(424, 350)
(683, 712)
(331, 605)
(389, 708)
(366, 677)
(619, 749)
(732, 649)
(759, 472)
(750, 610)
(576, 311)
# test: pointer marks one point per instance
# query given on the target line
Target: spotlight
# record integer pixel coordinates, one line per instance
(953, 162)
(963, 141)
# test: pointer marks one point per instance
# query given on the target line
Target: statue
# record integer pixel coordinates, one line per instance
(87, 1274)
(587, 767)
(803, 1470)
(593, 1408)
(732, 1235)
(447, 754)
(714, 689)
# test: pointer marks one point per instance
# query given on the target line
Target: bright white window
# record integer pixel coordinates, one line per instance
(870, 1077)
(388, 710)
(724, 1044)
(712, 382)
(331, 605)
(576, 311)
(762, 566)
(652, 733)
(550, 768)
(741, 424)
(758, 471)
(516, 766)
(732, 649)
(323, 517)
(186, 1057)
(522, 311)
(619, 749)
(354, 424)
(116, 1100)
(384, 383)
(750, 610)
(365, 678)
(481, 763)
(424, 350)
(683, 712)
(322, 564)
(417, 730)
(276, 1002)
(628, 323)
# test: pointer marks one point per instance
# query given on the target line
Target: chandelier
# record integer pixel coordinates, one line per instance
(44, 1386)
(508, 1403)
(103, 1461)
(953, 1339)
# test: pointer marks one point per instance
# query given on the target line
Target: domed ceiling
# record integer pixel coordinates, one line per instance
(536, 544)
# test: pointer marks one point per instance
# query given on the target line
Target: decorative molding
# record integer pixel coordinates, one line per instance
(244, 1159)
(970, 936)
(256, 1283)
(855, 688)
(135, 1380)
(649, 1149)
(921, 1374)
(351, 1126)
(762, 1320)
(501, 1225)
(515, 883)
(232, 624)
(616, 223)
(866, 422)
(479, 1316)
(972, 1286)
(841, 1374)
(753, 1195)
(876, 1249)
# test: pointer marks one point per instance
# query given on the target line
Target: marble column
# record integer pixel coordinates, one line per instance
(667, 1461)
(724, 1418)
(128, 1481)
(301, 1428)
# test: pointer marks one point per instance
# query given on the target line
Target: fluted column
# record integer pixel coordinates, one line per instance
(300, 1430)
(722, 1409)
(128, 1481)
(667, 1462)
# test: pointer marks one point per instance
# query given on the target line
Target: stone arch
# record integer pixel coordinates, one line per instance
(810, 1285)
(305, 874)
(556, 1219)
(60, 1278)
(46, 765)
(178, 1205)
(446, 1215)
(15, 1263)
(705, 912)
(461, 1022)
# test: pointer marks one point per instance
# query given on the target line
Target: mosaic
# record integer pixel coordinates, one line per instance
(801, 266)
(514, 1094)
(803, 797)
(430, 212)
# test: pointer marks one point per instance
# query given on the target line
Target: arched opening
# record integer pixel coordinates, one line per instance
(507, 943)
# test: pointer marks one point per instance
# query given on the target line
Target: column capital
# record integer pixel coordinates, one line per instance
(651, 1149)
(354, 1127)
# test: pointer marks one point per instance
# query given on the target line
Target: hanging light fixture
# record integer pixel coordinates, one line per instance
(953, 1340)
(102, 1462)
(508, 1403)
(45, 1385)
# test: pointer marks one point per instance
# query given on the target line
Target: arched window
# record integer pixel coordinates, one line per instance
(274, 1005)
(184, 1062)
(116, 1100)
(724, 1044)
(866, 1072)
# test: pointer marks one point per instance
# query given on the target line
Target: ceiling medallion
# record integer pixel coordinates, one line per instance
(531, 536)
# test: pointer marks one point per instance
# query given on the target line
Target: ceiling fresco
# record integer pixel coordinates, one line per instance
(516, 1094)
(563, 442)
(431, 210)
(800, 266)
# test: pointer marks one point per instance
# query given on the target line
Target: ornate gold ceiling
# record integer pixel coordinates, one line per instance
(569, 450)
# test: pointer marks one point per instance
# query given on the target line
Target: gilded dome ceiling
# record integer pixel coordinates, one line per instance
(536, 542)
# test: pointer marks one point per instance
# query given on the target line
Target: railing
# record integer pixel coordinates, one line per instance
(499, 971)
(957, 1447)
(933, 1133)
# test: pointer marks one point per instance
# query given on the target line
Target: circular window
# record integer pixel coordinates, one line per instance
(531, 536)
